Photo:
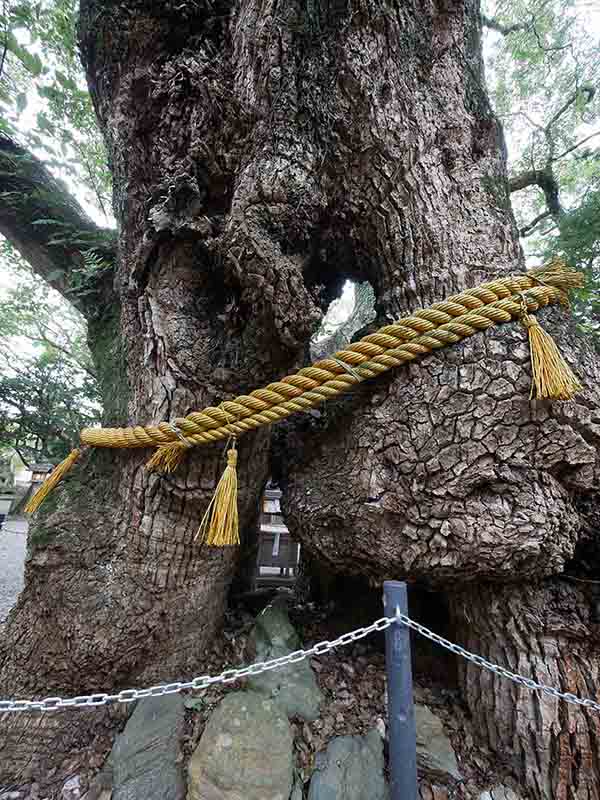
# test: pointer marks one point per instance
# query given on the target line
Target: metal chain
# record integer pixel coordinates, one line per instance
(201, 682)
(232, 675)
(496, 668)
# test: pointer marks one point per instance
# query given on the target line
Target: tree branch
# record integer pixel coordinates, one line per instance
(65, 350)
(529, 228)
(47, 226)
(5, 43)
(544, 178)
(576, 145)
(505, 30)
(21, 456)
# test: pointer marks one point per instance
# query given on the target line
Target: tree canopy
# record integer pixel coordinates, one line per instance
(543, 74)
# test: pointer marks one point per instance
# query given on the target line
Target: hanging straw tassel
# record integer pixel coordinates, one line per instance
(552, 377)
(167, 457)
(51, 481)
(219, 526)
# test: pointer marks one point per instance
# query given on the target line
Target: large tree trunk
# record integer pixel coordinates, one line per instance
(549, 632)
(262, 153)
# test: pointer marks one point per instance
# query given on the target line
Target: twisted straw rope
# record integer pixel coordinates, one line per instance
(420, 333)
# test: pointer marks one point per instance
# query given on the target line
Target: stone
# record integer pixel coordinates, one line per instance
(297, 793)
(101, 786)
(434, 750)
(293, 687)
(499, 793)
(71, 789)
(351, 768)
(245, 753)
(145, 759)
(432, 791)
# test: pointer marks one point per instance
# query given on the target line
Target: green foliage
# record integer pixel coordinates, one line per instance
(33, 316)
(578, 242)
(44, 101)
(579, 237)
(44, 402)
(543, 69)
(544, 79)
(48, 387)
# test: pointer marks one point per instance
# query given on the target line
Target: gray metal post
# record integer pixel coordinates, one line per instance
(401, 713)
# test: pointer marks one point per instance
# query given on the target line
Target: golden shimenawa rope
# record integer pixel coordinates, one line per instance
(428, 329)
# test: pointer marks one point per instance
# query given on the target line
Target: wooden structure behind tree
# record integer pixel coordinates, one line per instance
(278, 554)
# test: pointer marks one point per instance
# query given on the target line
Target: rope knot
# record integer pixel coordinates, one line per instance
(529, 321)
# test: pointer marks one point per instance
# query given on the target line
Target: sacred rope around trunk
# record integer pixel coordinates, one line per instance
(428, 329)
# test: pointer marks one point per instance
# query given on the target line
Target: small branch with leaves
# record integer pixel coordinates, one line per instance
(48, 226)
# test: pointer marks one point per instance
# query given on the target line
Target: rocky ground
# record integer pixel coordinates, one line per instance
(314, 730)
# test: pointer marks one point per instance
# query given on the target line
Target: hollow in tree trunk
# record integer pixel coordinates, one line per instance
(262, 154)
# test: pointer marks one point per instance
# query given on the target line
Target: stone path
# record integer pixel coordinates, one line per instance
(13, 542)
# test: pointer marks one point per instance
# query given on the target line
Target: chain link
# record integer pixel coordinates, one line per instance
(496, 668)
(232, 675)
(198, 683)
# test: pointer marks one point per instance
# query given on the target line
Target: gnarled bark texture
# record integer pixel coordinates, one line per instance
(451, 473)
(262, 153)
(547, 631)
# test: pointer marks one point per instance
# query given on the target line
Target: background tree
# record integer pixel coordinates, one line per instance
(262, 154)
(543, 71)
(42, 408)
(48, 387)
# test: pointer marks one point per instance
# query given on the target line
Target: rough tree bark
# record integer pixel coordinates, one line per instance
(450, 474)
(547, 631)
(262, 153)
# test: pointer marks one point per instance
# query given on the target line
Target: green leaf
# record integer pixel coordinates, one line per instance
(55, 275)
(21, 101)
(35, 65)
(44, 123)
(194, 703)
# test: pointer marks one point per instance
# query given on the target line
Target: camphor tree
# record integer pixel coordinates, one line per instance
(261, 154)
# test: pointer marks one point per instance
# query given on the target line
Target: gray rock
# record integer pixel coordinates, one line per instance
(350, 769)
(101, 786)
(71, 789)
(434, 751)
(499, 793)
(245, 753)
(294, 687)
(105, 794)
(297, 790)
(145, 758)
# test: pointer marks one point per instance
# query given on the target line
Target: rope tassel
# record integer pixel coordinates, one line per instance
(219, 526)
(552, 378)
(167, 458)
(427, 329)
(57, 474)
